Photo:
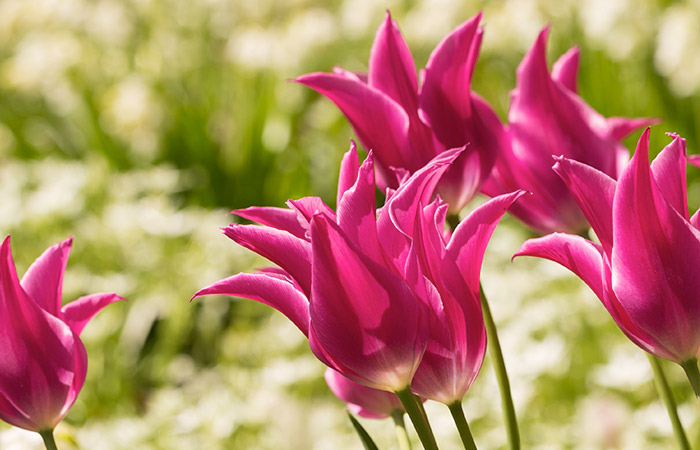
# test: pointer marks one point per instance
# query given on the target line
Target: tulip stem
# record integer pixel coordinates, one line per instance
(667, 397)
(462, 425)
(499, 365)
(401, 434)
(691, 370)
(49, 442)
(418, 417)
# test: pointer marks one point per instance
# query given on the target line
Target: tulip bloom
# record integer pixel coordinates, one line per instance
(645, 268)
(385, 297)
(407, 125)
(547, 117)
(361, 400)
(44, 363)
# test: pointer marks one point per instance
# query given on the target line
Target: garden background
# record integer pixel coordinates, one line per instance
(135, 125)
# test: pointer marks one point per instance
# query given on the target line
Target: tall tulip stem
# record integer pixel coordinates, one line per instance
(418, 417)
(499, 365)
(401, 434)
(462, 425)
(667, 396)
(49, 442)
(691, 370)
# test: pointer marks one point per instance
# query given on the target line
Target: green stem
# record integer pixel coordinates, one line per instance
(419, 419)
(667, 397)
(49, 442)
(462, 425)
(499, 365)
(401, 434)
(691, 370)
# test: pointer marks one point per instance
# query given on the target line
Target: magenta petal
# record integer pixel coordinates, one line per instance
(280, 218)
(565, 70)
(694, 160)
(81, 366)
(268, 288)
(362, 400)
(445, 97)
(363, 315)
(579, 255)
(43, 281)
(418, 190)
(695, 220)
(594, 192)
(307, 207)
(357, 212)
(620, 127)
(669, 173)
(469, 240)
(391, 66)
(349, 167)
(396, 221)
(655, 260)
(79, 312)
(282, 248)
(486, 138)
(37, 367)
(380, 123)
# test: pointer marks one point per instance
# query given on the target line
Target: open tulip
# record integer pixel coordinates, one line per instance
(384, 296)
(44, 363)
(645, 268)
(547, 117)
(406, 124)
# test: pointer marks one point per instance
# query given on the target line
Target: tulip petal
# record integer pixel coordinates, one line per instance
(468, 243)
(357, 212)
(80, 371)
(280, 218)
(445, 94)
(670, 175)
(362, 400)
(38, 366)
(43, 281)
(307, 207)
(78, 313)
(579, 255)
(380, 123)
(486, 138)
(268, 288)
(391, 66)
(362, 313)
(282, 248)
(565, 70)
(396, 221)
(620, 127)
(655, 259)
(594, 192)
(349, 167)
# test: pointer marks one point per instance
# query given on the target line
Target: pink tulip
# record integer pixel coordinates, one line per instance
(44, 363)
(547, 118)
(406, 124)
(645, 268)
(383, 296)
(362, 400)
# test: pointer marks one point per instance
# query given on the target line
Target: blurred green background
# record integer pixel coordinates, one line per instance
(135, 125)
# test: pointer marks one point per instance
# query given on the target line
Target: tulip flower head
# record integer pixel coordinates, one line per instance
(645, 268)
(547, 117)
(384, 297)
(406, 124)
(44, 363)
